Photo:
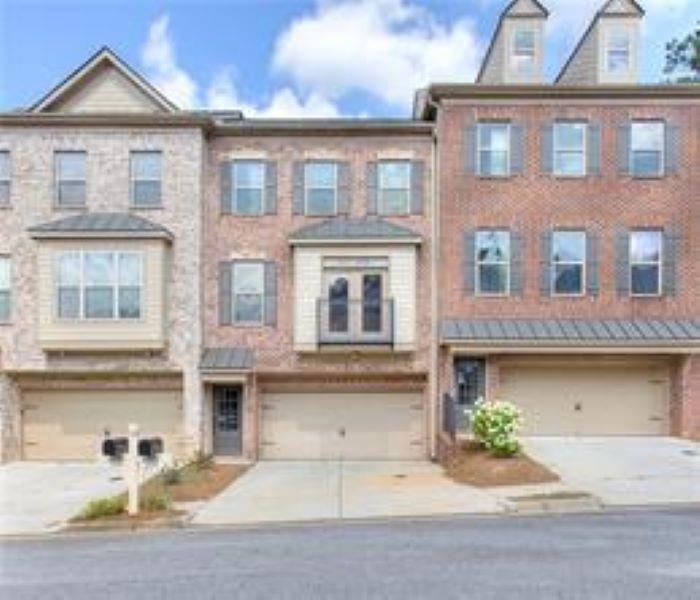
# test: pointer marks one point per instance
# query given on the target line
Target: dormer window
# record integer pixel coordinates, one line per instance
(523, 54)
(618, 50)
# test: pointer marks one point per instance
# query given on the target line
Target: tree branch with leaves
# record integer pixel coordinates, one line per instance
(683, 56)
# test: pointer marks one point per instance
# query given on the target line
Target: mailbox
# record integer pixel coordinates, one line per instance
(150, 447)
(115, 447)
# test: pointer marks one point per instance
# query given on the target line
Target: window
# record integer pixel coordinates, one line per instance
(394, 187)
(4, 177)
(248, 184)
(99, 285)
(523, 55)
(492, 262)
(146, 178)
(568, 262)
(618, 50)
(494, 149)
(248, 292)
(647, 148)
(70, 178)
(570, 149)
(646, 249)
(321, 191)
(5, 289)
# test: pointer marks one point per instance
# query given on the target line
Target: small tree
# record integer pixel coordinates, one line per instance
(496, 425)
(684, 56)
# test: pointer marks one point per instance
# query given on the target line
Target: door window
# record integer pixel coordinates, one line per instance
(372, 303)
(338, 305)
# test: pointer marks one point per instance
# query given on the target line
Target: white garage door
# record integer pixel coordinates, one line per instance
(355, 426)
(594, 400)
(69, 425)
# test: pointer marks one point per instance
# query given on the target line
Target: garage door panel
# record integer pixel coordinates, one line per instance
(375, 426)
(69, 425)
(600, 400)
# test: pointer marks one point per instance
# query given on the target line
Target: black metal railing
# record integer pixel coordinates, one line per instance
(362, 322)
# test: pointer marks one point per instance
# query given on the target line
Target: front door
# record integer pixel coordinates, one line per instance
(470, 386)
(227, 421)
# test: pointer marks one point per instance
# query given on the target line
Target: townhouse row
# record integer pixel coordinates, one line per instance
(311, 289)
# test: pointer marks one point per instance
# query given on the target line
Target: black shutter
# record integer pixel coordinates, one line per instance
(546, 263)
(592, 264)
(270, 207)
(671, 248)
(593, 149)
(468, 261)
(372, 186)
(623, 148)
(225, 177)
(344, 188)
(673, 147)
(622, 262)
(517, 149)
(298, 187)
(271, 293)
(417, 186)
(225, 292)
(516, 264)
(470, 148)
(547, 148)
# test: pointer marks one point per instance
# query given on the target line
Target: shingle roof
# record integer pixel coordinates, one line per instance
(567, 332)
(100, 224)
(227, 359)
(343, 228)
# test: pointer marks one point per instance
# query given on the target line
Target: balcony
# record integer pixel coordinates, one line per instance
(355, 322)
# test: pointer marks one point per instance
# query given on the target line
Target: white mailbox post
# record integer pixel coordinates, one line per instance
(132, 468)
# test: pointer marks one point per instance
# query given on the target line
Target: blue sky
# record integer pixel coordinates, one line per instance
(288, 57)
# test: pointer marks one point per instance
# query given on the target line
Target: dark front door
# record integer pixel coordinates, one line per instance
(227, 420)
(470, 386)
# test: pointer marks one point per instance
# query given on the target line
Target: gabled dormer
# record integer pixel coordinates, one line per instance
(104, 84)
(608, 53)
(516, 53)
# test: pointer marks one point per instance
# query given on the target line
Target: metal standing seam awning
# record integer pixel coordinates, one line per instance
(226, 363)
(668, 335)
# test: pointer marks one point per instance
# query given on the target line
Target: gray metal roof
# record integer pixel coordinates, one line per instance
(572, 331)
(227, 359)
(344, 228)
(100, 224)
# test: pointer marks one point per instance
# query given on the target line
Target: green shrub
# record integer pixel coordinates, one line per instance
(155, 502)
(202, 461)
(103, 507)
(496, 425)
(172, 476)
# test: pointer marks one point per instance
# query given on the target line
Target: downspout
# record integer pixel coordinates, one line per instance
(434, 375)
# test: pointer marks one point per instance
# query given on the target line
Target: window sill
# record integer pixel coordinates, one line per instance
(245, 215)
(72, 208)
(151, 207)
(495, 177)
(647, 177)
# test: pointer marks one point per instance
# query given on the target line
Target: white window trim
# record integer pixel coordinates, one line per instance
(608, 48)
(662, 163)
(556, 151)
(135, 179)
(308, 187)
(234, 294)
(479, 150)
(478, 263)
(555, 263)
(382, 189)
(81, 318)
(513, 64)
(235, 187)
(8, 290)
(57, 181)
(7, 180)
(659, 264)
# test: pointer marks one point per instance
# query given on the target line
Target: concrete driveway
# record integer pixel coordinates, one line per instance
(317, 490)
(624, 471)
(40, 497)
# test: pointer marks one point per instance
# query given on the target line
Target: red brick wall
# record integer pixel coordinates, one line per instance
(685, 397)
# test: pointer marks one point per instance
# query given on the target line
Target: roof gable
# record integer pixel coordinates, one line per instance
(529, 8)
(104, 83)
(621, 7)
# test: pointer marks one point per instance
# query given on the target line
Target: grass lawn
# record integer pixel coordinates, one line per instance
(473, 465)
(200, 479)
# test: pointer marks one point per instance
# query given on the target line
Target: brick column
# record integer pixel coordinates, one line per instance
(10, 420)
(685, 397)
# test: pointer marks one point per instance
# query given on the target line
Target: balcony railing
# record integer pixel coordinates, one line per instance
(355, 322)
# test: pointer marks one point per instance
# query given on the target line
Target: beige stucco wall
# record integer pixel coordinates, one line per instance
(108, 190)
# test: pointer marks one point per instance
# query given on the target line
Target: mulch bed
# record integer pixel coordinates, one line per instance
(473, 465)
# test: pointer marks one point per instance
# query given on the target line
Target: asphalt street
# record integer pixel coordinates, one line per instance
(629, 555)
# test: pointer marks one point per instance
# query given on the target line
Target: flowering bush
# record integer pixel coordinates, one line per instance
(496, 425)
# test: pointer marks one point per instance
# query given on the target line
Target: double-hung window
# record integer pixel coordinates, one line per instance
(248, 292)
(70, 178)
(146, 169)
(394, 196)
(4, 177)
(523, 53)
(494, 149)
(5, 289)
(647, 142)
(568, 263)
(569, 149)
(618, 50)
(492, 262)
(99, 285)
(646, 256)
(321, 188)
(248, 185)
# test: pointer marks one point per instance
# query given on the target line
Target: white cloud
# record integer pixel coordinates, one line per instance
(387, 48)
(159, 57)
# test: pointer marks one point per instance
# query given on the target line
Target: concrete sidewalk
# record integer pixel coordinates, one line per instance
(318, 490)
